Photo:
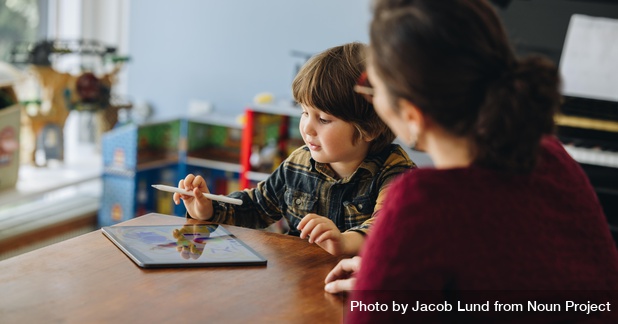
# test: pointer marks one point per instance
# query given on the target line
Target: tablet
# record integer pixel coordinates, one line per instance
(190, 245)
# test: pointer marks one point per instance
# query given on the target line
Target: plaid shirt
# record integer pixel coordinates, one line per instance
(300, 186)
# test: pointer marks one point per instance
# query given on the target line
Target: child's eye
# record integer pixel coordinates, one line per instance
(324, 121)
(304, 113)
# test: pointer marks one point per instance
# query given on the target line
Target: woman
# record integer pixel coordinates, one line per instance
(506, 208)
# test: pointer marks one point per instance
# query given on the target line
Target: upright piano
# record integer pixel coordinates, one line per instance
(589, 130)
(587, 127)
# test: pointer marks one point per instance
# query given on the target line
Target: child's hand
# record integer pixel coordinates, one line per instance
(198, 207)
(341, 278)
(323, 232)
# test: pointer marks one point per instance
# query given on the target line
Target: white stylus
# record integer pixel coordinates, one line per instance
(190, 193)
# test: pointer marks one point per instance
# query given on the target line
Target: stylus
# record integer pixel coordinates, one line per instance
(190, 193)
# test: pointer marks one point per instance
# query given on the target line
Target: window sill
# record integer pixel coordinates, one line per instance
(51, 196)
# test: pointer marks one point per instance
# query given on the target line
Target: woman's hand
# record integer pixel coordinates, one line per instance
(341, 278)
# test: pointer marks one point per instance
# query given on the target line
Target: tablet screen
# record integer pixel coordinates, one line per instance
(182, 245)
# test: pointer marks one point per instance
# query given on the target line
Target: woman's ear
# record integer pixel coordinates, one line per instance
(410, 113)
(414, 122)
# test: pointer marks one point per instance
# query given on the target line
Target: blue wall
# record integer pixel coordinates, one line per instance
(227, 51)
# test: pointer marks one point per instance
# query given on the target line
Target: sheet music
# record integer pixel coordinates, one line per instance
(589, 62)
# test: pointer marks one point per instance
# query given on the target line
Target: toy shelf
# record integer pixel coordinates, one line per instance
(269, 136)
(230, 155)
(137, 156)
(213, 164)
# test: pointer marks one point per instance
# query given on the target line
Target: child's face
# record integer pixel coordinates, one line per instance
(330, 140)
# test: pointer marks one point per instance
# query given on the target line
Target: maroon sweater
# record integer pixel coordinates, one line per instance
(472, 229)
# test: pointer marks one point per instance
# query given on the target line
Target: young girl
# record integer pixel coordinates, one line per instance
(506, 208)
(331, 189)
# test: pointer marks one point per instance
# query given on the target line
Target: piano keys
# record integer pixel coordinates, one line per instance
(593, 156)
(588, 129)
(588, 140)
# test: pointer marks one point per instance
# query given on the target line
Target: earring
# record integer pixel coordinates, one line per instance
(413, 146)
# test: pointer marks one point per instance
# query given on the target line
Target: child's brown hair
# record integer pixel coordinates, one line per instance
(326, 83)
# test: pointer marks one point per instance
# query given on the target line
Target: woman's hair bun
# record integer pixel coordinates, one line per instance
(518, 110)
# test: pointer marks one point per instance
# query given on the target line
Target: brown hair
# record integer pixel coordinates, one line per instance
(452, 59)
(326, 82)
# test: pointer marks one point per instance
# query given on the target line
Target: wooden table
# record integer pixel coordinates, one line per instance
(88, 280)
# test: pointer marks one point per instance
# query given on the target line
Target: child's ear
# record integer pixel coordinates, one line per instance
(369, 138)
(364, 136)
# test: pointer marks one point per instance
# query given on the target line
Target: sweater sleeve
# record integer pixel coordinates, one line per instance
(407, 242)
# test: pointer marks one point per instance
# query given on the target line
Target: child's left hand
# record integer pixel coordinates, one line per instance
(323, 232)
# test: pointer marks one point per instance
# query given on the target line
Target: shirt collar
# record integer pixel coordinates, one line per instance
(326, 170)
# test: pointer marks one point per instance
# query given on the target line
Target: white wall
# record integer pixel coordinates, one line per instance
(226, 52)
(222, 52)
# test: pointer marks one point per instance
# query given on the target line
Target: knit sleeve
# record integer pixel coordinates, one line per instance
(406, 244)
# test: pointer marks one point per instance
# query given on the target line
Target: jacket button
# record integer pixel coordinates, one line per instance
(298, 201)
(360, 206)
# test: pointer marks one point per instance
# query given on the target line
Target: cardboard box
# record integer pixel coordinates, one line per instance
(9, 145)
(132, 147)
(128, 194)
(134, 158)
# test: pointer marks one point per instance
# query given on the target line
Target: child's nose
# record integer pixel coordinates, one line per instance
(308, 128)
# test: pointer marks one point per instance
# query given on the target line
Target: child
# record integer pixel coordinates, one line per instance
(337, 181)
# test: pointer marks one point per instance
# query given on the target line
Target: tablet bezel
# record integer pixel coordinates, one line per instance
(145, 261)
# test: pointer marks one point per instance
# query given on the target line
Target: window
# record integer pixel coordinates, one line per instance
(21, 22)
